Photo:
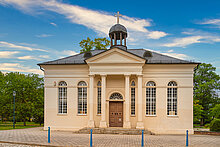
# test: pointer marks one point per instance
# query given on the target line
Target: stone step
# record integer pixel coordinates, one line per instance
(113, 131)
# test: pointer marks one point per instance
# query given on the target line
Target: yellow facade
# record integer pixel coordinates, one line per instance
(115, 67)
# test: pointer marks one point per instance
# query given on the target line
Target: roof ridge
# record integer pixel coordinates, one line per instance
(167, 55)
(63, 58)
(69, 56)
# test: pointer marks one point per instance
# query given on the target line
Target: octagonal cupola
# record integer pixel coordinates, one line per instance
(118, 34)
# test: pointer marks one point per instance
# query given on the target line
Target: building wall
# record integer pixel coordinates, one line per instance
(160, 74)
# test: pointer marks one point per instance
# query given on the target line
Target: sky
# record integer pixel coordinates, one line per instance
(35, 31)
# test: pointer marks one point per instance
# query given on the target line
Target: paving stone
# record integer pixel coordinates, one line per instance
(36, 136)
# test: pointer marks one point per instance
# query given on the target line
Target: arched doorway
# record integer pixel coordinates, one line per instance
(116, 110)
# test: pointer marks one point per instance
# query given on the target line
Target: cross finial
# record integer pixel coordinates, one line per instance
(118, 15)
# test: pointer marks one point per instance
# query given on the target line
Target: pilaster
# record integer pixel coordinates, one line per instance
(140, 124)
(127, 123)
(91, 122)
(103, 123)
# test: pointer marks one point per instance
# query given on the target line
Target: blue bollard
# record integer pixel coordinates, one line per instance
(142, 140)
(48, 134)
(187, 138)
(91, 138)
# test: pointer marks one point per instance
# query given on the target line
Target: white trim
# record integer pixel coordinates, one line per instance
(151, 115)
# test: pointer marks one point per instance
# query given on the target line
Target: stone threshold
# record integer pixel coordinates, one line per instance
(113, 130)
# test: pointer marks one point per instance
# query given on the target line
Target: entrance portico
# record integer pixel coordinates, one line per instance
(115, 62)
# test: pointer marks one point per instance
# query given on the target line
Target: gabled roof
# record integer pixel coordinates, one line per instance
(156, 58)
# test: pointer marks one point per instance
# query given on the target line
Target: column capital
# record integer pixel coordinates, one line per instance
(103, 75)
(90, 75)
(140, 75)
(127, 75)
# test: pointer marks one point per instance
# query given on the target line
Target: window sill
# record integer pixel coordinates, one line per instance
(81, 114)
(150, 115)
(98, 114)
(133, 115)
(61, 114)
(173, 116)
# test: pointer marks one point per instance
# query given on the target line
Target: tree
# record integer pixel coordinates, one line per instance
(215, 112)
(197, 111)
(28, 99)
(4, 100)
(86, 45)
(98, 43)
(206, 85)
(101, 43)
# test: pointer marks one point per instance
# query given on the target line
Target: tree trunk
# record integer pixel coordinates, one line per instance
(202, 122)
(24, 122)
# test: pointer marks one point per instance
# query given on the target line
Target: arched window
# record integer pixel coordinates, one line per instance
(132, 98)
(150, 98)
(116, 96)
(99, 92)
(82, 97)
(172, 98)
(62, 97)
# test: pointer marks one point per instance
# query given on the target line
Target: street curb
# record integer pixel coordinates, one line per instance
(31, 144)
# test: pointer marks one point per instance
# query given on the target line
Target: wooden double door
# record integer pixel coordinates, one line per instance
(116, 114)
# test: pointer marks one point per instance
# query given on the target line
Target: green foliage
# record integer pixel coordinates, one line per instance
(206, 85)
(98, 43)
(28, 99)
(215, 112)
(86, 45)
(215, 125)
(101, 43)
(197, 111)
(207, 125)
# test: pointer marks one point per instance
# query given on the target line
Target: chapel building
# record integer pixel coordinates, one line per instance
(119, 87)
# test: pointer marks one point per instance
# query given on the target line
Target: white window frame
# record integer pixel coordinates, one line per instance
(99, 98)
(133, 94)
(151, 99)
(62, 97)
(172, 97)
(82, 87)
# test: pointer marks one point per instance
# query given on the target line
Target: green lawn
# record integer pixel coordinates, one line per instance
(19, 125)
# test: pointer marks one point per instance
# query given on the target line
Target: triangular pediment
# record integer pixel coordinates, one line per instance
(115, 55)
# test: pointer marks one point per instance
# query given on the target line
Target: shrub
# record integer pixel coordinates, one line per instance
(215, 125)
(207, 125)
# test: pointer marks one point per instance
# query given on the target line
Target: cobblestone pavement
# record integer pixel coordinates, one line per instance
(13, 145)
(36, 136)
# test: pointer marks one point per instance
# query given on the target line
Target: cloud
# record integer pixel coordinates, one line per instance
(182, 42)
(44, 56)
(65, 53)
(52, 23)
(11, 45)
(16, 67)
(99, 21)
(172, 54)
(27, 58)
(44, 35)
(69, 52)
(41, 57)
(156, 34)
(170, 51)
(176, 55)
(7, 54)
(193, 36)
(213, 22)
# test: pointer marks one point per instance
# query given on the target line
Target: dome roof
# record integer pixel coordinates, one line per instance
(118, 28)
